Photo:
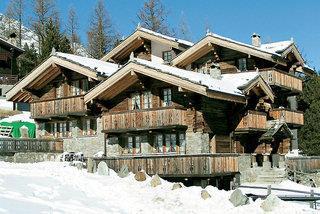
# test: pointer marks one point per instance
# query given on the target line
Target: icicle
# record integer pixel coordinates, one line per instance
(131, 56)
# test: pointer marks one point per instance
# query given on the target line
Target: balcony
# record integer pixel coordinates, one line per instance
(289, 116)
(59, 107)
(198, 165)
(282, 79)
(8, 79)
(144, 119)
(253, 121)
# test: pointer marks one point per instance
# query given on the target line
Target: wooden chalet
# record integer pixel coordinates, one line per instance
(170, 106)
(55, 91)
(9, 75)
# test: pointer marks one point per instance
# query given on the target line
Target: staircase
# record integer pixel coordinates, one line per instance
(271, 175)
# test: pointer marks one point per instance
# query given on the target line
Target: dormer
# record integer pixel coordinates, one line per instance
(148, 45)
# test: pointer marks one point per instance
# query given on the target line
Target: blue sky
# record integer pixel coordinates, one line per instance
(274, 20)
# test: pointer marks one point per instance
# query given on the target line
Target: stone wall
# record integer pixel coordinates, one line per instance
(197, 142)
(31, 157)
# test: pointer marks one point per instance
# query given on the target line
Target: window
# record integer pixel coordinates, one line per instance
(88, 127)
(133, 144)
(242, 64)
(84, 86)
(147, 99)
(135, 101)
(75, 88)
(167, 97)
(182, 142)
(170, 142)
(158, 145)
(167, 56)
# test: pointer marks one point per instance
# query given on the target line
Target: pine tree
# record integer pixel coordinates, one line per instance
(28, 60)
(153, 16)
(15, 12)
(309, 101)
(101, 35)
(72, 28)
(43, 11)
(53, 38)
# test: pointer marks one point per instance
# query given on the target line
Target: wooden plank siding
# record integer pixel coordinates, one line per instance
(253, 120)
(58, 107)
(177, 165)
(304, 164)
(11, 145)
(8, 79)
(289, 116)
(279, 78)
(144, 119)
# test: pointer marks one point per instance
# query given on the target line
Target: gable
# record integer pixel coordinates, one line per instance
(44, 74)
(208, 44)
(142, 38)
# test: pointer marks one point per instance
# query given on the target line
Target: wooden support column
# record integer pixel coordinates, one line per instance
(105, 145)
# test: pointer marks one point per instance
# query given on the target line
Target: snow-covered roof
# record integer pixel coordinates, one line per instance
(185, 42)
(103, 67)
(276, 47)
(229, 83)
(7, 43)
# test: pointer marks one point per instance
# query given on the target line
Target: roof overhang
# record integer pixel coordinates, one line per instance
(206, 45)
(42, 75)
(258, 83)
(9, 46)
(293, 49)
(134, 41)
(128, 75)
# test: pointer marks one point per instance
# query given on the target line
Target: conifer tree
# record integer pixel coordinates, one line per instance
(101, 34)
(309, 101)
(53, 38)
(72, 28)
(184, 32)
(28, 60)
(153, 16)
(43, 10)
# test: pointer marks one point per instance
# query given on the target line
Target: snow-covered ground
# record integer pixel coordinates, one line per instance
(55, 187)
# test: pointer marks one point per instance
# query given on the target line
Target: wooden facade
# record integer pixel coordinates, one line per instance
(60, 107)
(200, 165)
(275, 77)
(253, 120)
(144, 119)
(289, 116)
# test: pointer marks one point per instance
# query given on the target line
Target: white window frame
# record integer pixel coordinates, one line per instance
(147, 100)
(167, 97)
(135, 101)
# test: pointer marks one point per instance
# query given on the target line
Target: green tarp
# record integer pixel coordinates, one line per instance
(16, 128)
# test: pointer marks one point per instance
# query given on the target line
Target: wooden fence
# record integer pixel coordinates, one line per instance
(199, 165)
(11, 145)
(289, 116)
(304, 164)
(8, 79)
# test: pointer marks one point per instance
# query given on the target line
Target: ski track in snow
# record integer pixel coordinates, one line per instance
(54, 187)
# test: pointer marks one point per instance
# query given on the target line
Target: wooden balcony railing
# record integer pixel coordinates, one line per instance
(281, 79)
(289, 116)
(58, 107)
(253, 121)
(177, 165)
(11, 145)
(7, 79)
(144, 119)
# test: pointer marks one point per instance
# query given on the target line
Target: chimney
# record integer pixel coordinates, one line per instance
(215, 71)
(256, 40)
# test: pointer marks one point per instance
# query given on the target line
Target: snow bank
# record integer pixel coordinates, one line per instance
(55, 187)
(24, 117)
(6, 105)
